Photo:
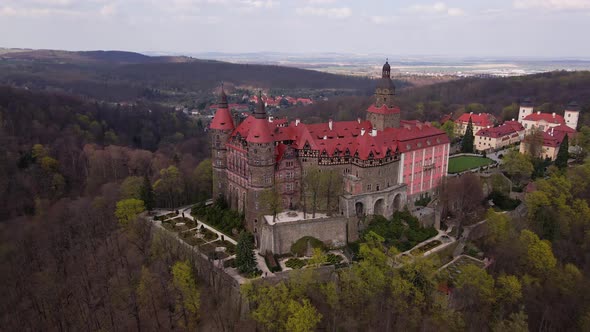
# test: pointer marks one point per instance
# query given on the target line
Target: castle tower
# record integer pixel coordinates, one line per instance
(572, 115)
(384, 114)
(261, 163)
(219, 132)
(526, 109)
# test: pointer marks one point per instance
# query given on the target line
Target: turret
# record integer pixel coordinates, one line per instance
(384, 114)
(572, 115)
(220, 131)
(526, 109)
(261, 164)
(260, 112)
(385, 91)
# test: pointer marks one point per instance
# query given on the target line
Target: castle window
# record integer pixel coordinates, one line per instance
(369, 187)
(377, 188)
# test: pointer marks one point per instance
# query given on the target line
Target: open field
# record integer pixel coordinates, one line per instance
(463, 163)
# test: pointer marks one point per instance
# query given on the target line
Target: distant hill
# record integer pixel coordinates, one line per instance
(499, 96)
(88, 57)
(126, 76)
(550, 92)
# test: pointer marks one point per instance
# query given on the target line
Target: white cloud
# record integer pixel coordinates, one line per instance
(382, 19)
(36, 12)
(552, 4)
(440, 8)
(108, 10)
(259, 3)
(321, 2)
(455, 12)
(343, 12)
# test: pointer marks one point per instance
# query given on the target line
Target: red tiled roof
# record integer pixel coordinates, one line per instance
(480, 120)
(304, 100)
(553, 139)
(446, 118)
(418, 136)
(222, 120)
(343, 136)
(564, 129)
(551, 118)
(259, 131)
(383, 109)
(501, 131)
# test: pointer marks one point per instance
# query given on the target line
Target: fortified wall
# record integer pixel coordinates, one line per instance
(277, 236)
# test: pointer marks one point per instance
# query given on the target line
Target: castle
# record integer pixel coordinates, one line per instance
(384, 162)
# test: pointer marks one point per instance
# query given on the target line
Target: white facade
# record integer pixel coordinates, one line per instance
(524, 112)
(571, 118)
(541, 125)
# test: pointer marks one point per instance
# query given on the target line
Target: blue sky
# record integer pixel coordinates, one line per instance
(544, 28)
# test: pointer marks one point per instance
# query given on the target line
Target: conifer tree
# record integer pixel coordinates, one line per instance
(147, 194)
(468, 139)
(245, 260)
(563, 154)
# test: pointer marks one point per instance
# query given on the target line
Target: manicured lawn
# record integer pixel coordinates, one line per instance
(463, 163)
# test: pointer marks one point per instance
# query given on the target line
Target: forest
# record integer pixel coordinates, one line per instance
(71, 261)
(127, 77)
(550, 92)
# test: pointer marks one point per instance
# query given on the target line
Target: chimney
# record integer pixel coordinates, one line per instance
(551, 131)
(538, 112)
(358, 119)
(270, 119)
(512, 119)
(553, 115)
(471, 113)
(297, 122)
(362, 131)
(374, 132)
(330, 124)
(325, 137)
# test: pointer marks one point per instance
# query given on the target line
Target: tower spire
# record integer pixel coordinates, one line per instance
(386, 69)
(260, 112)
(222, 98)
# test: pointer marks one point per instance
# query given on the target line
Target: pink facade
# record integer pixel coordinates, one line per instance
(422, 169)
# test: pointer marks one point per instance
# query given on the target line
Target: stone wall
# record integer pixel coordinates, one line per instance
(279, 237)
(383, 202)
(225, 288)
